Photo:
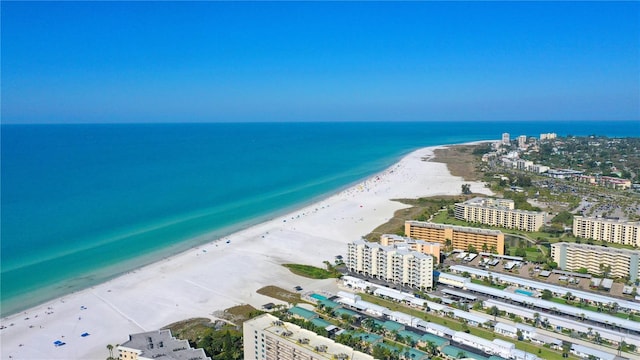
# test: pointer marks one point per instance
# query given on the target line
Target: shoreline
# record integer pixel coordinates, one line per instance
(104, 274)
(216, 275)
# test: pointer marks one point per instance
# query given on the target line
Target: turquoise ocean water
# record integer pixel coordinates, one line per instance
(81, 204)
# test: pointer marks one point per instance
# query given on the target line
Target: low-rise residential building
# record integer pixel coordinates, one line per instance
(390, 263)
(572, 257)
(499, 212)
(459, 236)
(158, 344)
(607, 230)
(267, 337)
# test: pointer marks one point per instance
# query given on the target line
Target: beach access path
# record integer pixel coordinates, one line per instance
(221, 274)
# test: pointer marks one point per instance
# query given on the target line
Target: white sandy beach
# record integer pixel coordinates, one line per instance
(220, 275)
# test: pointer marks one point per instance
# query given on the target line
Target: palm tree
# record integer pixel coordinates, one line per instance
(536, 318)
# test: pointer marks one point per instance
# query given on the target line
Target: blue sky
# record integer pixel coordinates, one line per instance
(319, 61)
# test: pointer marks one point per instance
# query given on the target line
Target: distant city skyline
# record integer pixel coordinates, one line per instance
(108, 62)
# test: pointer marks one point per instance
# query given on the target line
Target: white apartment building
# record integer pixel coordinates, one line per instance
(499, 212)
(572, 256)
(614, 231)
(268, 338)
(527, 165)
(505, 139)
(391, 263)
(522, 141)
(425, 247)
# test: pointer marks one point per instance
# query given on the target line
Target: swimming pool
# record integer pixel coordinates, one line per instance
(523, 292)
(318, 296)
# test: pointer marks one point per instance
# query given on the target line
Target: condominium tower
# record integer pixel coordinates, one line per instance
(428, 248)
(572, 257)
(268, 338)
(505, 138)
(614, 231)
(396, 264)
(460, 236)
(499, 212)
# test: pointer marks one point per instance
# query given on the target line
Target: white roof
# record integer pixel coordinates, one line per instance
(626, 304)
(565, 323)
(603, 355)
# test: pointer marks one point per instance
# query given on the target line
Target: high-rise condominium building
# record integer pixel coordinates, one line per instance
(505, 139)
(614, 231)
(499, 212)
(522, 141)
(268, 338)
(396, 264)
(548, 136)
(425, 247)
(572, 257)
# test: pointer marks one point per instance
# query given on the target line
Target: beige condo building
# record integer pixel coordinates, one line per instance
(395, 264)
(572, 257)
(428, 248)
(614, 231)
(268, 338)
(499, 212)
(460, 236)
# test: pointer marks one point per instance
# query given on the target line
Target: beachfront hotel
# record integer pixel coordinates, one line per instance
(460, 236)
(572, 257)
(393, 263)
(268, 338)
(499, 212)
(428, 248)
(158, 344)
(607, 230)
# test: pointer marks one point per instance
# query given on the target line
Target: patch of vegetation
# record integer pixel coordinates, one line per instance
(192, 330)
(225, 344)
(313, 272)
(461, 160)
(280, 294)
(221, 341)
(422, 209)
(238, 314)
(563, 218)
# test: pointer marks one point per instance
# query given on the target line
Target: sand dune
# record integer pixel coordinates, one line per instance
(218, 275)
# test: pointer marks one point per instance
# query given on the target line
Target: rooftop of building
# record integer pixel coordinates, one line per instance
(161, 343)
(320, 345)
(466, 229)
(596, 248)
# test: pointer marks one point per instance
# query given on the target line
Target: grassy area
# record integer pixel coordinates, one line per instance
(190, 329)
(311, 271)
(421, 209)
(238, 314)
(485, 283)
(460, 160)
(280, 294)
(540, 351)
